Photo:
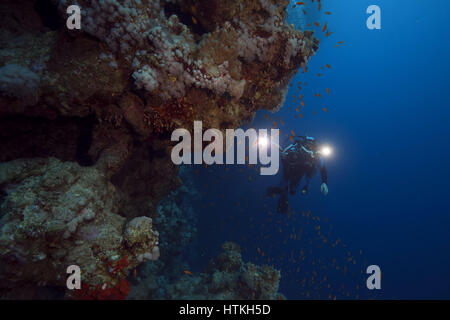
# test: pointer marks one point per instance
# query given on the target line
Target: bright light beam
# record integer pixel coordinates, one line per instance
(326, 151)
(263, 142)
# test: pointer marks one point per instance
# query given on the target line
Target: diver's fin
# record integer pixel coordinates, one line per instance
(272, 191)
(283, 203)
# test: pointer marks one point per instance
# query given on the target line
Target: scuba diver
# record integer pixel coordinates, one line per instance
(300, 159)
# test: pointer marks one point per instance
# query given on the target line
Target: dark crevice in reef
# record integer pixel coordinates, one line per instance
(3, 195)
(185, 18)
(48, 13)
(67, 139)
(86, 126)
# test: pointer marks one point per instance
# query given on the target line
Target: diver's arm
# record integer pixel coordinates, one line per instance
(324, 175)
(323, 170)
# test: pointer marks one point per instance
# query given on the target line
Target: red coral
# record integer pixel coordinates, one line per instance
(121, 265)
(118, 292)
(104, 292)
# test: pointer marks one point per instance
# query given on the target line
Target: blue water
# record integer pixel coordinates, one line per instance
(388, 122)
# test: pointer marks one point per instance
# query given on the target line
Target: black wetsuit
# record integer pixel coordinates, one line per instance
(297, 163)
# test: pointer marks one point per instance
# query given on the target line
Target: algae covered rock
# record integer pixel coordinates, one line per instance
(56, 214)
(226, 277)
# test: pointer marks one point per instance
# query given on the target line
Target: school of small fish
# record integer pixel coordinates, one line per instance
(306, 238)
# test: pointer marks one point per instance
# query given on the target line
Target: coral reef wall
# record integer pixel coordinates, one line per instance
(226, 277)
(86, 116)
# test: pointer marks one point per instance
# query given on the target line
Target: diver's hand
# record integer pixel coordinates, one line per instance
(324, 189)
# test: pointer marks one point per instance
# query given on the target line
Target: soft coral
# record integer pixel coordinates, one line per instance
(118, 292)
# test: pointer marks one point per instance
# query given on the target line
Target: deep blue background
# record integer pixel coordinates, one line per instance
(388, 122)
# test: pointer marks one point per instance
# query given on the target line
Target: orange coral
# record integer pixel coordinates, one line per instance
(163, 117)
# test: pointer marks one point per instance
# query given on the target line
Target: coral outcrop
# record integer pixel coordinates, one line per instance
(85, 123)
(226, 277)
(216, 61)
(56, 214)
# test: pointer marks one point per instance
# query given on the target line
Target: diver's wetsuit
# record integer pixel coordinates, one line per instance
(299, 160)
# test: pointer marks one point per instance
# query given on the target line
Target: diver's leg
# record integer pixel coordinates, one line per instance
(273, 191)
(283, 203)
(294, 181)
(308, 177)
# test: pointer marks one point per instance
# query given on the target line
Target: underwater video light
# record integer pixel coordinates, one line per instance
(326, 151)
(263, 142)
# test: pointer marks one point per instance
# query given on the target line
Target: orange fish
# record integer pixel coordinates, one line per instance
(292, 139)
(337, 46)
(308, 25)
(324, 27)
(328, 34)
(341, 42)
(267, 117)
(327, 12)
(328, 91)
(274, 124)
(300, 3)
(301, 96)
(301, 115)
(328, 66)
(305, 70)
(302, 103)
(319, 74)
(316, 24)
(325, 109)
(297, 109)
(320, 6)
(304, 12)
(187, 272)
(293, 133)
(194, 20)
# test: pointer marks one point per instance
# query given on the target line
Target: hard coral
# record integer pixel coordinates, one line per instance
(137, 70)
(45, 217)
